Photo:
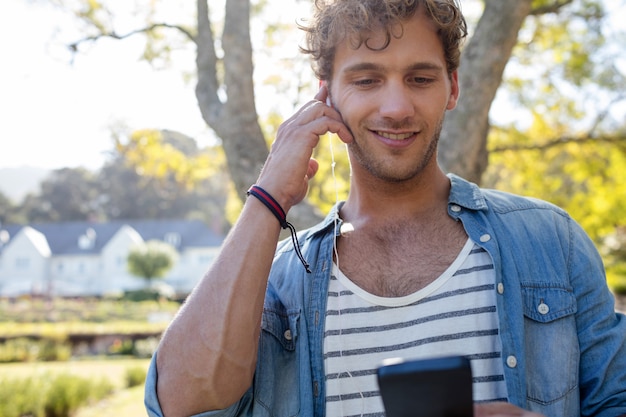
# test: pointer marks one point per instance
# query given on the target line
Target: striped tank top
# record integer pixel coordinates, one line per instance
(454, 315)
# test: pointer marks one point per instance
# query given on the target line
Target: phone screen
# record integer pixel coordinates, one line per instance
(437, 387)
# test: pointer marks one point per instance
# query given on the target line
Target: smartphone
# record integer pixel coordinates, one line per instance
(435, 387)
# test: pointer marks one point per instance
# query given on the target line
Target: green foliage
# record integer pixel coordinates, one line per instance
(135, 376)
(24, 349)
(9, 212)
(66, 194)
(49, 395)
(616, 278)
(332, 181)
(82, 310)
(584, 177)
(154, 175)
(147, 294)
(564, 143)
(156, 154)
(68, 392)
(21, 349)
(31, 336)
(152, 259)
(22, 397)
(54, 350)
(122, 347)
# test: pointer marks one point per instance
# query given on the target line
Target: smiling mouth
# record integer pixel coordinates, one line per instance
(394, 136)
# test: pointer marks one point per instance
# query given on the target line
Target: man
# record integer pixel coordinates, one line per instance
(414, 264)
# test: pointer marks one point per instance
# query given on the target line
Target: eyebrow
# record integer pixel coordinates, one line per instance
(372, 66)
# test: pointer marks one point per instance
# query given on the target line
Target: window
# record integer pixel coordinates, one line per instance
(172, 239)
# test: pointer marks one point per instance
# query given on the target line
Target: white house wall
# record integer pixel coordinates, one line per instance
(24, 264)
(27, 266)
(192, 264)
(115, 276)
(76, 275)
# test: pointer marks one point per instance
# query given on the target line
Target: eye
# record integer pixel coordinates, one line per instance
(421, 80)
(366, 82)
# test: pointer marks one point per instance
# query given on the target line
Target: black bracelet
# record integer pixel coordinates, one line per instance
(269, 202)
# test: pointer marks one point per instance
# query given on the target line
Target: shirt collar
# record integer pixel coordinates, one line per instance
(466, 194)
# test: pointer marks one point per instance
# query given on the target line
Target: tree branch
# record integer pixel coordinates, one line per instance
(604, 113)
(74, 46)
(618, 139)
(550, 8)
(208, 84)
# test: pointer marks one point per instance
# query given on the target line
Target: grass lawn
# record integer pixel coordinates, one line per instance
(123, 403)
(113, 369)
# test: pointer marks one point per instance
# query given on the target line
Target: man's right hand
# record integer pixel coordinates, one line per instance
(290, 166)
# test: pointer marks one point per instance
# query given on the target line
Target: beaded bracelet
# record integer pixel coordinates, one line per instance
(273, 205)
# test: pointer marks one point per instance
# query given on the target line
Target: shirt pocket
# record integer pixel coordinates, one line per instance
(277, 376)
(551, 343)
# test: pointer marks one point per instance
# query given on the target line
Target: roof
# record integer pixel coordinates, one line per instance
(63, 237)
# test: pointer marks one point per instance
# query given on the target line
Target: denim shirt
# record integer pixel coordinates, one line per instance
(563, 345)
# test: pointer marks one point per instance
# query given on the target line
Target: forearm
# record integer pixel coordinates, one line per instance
(207, 356)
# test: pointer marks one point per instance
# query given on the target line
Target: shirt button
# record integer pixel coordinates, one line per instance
(287, 334)
(511, 361)
(455, 208)
(500, 288)
(485, 238)
(543, 308)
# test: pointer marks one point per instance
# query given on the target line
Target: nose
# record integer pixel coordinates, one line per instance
(396, 101)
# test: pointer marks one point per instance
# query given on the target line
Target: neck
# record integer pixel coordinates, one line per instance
(379, 201)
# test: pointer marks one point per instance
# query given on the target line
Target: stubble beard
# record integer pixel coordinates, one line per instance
(388, 172)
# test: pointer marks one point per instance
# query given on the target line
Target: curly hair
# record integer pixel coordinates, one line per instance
(337, 20)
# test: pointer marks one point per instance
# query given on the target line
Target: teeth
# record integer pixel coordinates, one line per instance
(392, 136)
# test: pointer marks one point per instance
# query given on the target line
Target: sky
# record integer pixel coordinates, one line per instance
(57, 109)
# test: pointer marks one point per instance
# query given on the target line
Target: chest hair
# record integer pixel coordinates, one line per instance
(400, 258)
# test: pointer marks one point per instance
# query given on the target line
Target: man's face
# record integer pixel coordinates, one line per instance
(394, 100)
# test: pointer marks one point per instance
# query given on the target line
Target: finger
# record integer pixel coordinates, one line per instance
(325, 124)
(313, 167)
(322, 93)
(319, 118)
(341, 130)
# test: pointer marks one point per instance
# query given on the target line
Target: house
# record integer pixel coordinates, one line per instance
(89, 259)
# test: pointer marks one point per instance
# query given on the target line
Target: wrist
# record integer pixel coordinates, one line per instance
(276, 209)
(272, 205)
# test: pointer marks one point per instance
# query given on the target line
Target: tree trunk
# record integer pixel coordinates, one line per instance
(463, 143)
(233, 117)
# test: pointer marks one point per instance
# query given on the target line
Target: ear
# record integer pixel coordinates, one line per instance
(454, 91)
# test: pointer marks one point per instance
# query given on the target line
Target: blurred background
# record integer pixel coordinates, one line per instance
(131, 130)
